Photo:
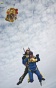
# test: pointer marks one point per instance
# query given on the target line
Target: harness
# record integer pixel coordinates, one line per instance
(31, 70)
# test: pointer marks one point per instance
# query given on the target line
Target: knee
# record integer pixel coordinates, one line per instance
(39, 77)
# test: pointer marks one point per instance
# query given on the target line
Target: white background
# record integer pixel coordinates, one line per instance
(35, 28)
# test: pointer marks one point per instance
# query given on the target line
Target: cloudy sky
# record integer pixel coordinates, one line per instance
(35, 28)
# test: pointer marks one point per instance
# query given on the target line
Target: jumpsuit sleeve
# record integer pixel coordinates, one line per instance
(24, 60)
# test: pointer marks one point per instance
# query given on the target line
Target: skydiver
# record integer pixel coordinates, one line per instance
(26, 55)
(32, 67)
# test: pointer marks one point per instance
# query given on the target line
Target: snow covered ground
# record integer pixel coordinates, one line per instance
(35, 28)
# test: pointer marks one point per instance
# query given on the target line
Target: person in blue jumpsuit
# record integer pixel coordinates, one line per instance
(32, 67)
(25, 56)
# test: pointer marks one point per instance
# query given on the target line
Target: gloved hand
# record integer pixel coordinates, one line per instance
(37, 56)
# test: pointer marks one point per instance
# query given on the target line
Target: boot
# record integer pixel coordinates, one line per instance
(41, 82)
(43, 79)
(20, 81)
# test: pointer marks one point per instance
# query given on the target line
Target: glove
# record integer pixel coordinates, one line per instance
(37, 56)
(23, 57)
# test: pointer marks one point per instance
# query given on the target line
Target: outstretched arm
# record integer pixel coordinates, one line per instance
(37, 57)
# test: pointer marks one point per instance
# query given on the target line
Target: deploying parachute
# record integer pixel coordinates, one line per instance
(11, 14)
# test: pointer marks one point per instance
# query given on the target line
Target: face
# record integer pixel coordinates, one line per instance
(31, 56)
(27, 51)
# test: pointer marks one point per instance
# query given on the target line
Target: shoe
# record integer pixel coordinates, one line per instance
(19, 83)
(43, 79)
(41, 82)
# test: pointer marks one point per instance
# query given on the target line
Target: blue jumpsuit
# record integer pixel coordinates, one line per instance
(32, 68)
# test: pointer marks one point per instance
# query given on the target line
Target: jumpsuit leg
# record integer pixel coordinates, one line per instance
(30, 76)
(38, 75)
(42, 76)
(23, 76)
(25, 73)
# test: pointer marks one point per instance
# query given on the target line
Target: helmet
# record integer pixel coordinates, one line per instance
(27, 52)
(28, 49)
